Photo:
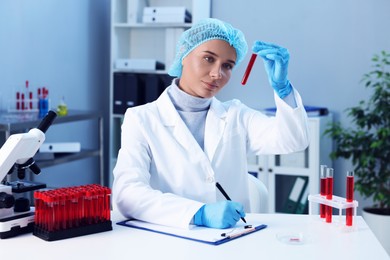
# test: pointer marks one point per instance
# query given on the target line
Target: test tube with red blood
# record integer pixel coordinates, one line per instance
(38, 208)
(22, 102)
(100, 203)
(18, 107)
(329, 194)
(42, 205)
(50, 213)
(82, 206)
(56, 212)
(65, 209)
(322, 189)
(108, 206)
(76, 206)
(30, 98)
(249, 68)
(349, 197)
(60, 210)
(104, 194)
(27, 95)
(87, 206)
(72, 207)
(96, 207)
(92, 196)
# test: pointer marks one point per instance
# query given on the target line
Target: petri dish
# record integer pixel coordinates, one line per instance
(291, 238)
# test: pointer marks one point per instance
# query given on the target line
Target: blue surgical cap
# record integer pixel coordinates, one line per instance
(203, 31)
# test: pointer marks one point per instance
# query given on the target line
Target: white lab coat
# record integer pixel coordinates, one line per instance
(163, 176)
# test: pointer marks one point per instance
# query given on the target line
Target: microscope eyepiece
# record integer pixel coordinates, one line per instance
(47, 121)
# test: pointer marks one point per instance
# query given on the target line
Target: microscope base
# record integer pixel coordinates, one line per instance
(17, 224)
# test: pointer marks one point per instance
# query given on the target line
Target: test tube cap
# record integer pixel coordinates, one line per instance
(323, 171)
(329, 172)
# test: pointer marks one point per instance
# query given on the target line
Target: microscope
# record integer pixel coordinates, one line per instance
(16, 215)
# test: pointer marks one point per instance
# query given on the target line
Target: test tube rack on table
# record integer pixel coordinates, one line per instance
(74, 211)
(336, 202)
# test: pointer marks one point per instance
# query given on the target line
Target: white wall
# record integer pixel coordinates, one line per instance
(331, 44)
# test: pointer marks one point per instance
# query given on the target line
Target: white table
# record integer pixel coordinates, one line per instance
(322, 241)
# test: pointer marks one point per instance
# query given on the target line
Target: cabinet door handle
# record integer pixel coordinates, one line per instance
(270, 170)
(260, 169)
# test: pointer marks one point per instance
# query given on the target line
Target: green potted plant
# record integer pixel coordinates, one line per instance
(367, 141)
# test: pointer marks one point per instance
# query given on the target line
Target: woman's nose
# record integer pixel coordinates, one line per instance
(216, 72)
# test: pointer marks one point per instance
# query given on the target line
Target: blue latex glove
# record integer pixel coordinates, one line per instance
(276, 65)
(222, 214)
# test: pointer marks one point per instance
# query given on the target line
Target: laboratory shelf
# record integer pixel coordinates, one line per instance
(67, 157)
(21, 122)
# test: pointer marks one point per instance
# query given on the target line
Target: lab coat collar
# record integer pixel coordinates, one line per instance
(174, 124)
(215, 127)
(215, 124)
(168, 114)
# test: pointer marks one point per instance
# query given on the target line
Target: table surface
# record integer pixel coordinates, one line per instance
(321, 241)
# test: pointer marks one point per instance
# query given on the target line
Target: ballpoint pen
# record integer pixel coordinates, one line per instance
(226, 196)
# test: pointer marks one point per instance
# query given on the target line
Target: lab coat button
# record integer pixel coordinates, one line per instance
(210, 179)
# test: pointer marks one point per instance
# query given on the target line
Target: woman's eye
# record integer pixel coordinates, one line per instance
(209, 59)
(228, 66)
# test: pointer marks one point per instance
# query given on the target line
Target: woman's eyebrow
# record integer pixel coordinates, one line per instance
(214, 54)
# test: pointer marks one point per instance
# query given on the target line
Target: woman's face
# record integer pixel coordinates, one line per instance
(207, 69)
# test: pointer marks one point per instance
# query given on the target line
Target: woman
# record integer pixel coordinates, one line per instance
(174, 150)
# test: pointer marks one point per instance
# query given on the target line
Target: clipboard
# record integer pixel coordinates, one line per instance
(211, 236)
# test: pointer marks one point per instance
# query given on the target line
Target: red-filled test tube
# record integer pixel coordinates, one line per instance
(249, 68)
(349, 197)
(329, 194)
(23, 104)
(18, 100)
(106, 213)
(30, 97)
(323, 189)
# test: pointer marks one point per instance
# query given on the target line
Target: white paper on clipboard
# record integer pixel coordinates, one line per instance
(197, 233)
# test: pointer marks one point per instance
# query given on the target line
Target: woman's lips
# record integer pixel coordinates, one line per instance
(211, 85)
